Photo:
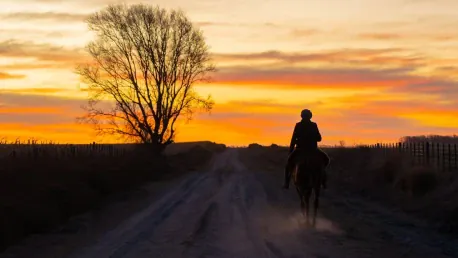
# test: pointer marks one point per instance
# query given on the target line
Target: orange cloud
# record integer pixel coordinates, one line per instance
(36, 90)
(384, 36)
(59, 133)
(8, 76)
(435, 118)
(30, 66)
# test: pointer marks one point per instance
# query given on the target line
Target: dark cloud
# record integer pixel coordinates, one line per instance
(394, 57)
(35, 119)
(14, 99)
(52, 16)
(434, 87)
(42, 52)
(301, 78)
(65, 110)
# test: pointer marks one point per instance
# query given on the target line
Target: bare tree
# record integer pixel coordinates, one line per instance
(146, 61)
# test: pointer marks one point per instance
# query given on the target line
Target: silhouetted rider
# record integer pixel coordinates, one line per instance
(305, 137)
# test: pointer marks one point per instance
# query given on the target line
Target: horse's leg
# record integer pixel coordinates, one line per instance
(300, 198)
(306, 198)
(317, 203)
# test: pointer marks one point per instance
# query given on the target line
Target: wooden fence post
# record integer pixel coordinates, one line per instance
(422, 153)
(432, 153)
(449, 157)
(456, 157)
(438, 155)
(427, 153)
(413, 152)
(443, 156)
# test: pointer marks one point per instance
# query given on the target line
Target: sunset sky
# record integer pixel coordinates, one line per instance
(369, 70)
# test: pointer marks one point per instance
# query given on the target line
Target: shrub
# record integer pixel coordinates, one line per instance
(417, 181)
(254, 145)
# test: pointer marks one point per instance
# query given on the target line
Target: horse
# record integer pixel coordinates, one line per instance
(307, 177)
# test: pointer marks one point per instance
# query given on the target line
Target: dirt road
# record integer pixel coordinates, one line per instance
(229, 211)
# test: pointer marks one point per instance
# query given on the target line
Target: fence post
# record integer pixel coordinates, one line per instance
(449, 157)
(432, 153)
(456, 157)
(427, 153)
(438, 155)
(443, 156)
(421, 152)
(412, 152)
(424, 153)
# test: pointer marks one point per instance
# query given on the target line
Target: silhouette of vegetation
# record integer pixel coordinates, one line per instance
(254, 145)
(430, 138)
(146, 60)
(43, 185)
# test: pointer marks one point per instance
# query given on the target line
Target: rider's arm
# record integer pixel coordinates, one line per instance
(318, 134)
(293, 139)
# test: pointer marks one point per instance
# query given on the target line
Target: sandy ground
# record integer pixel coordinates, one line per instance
(229, 211)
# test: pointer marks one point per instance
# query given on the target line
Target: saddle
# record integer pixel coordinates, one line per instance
(309, 161)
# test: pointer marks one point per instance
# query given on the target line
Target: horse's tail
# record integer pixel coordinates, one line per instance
(326, 158)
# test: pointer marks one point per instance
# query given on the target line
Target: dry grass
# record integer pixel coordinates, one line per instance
(387, 178)
(38, 194)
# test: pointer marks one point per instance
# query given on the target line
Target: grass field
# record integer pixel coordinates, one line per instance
(42, 186)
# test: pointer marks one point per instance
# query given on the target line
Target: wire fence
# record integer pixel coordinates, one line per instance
(440, 155)
(36, 151)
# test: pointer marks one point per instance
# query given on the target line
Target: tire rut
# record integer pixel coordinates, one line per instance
(202, 229)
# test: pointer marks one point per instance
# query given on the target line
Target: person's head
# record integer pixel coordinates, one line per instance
(306, 114)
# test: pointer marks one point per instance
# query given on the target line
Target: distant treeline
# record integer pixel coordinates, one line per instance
(430, 138)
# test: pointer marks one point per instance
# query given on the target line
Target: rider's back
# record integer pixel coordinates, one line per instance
(307, 135)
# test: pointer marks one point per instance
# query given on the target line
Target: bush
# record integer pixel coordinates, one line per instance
(254, 146)
(392, 168)
(417, 181)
